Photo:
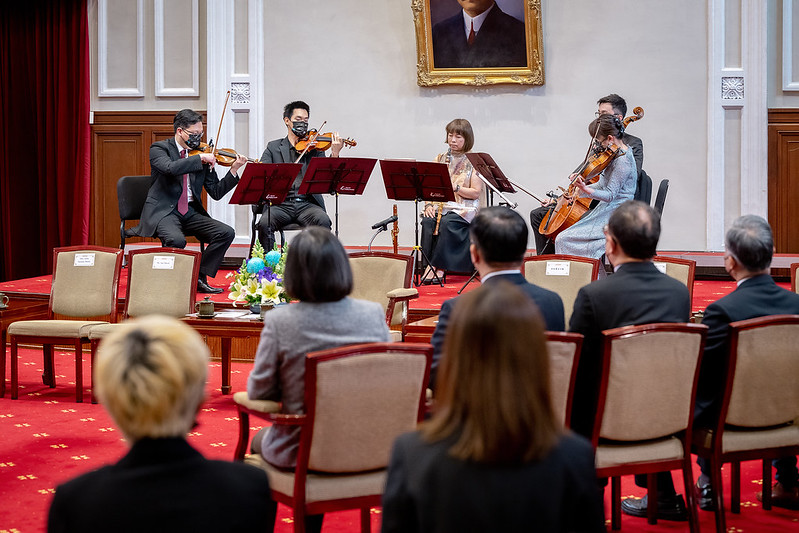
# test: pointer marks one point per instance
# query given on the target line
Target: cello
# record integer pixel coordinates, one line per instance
(570, 206)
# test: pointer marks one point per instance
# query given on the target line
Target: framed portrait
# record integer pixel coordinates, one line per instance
(478, 42)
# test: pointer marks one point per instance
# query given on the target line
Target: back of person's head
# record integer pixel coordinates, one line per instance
(500, 234)
(317, 267)
(605, 125)
(462, 127)
(494, 392)
(635, 226)
(186, 118)
(289, 108)
(618, 103)
(150, 375)
(750, 242)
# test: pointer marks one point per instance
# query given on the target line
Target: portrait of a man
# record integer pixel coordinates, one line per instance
(479, 35)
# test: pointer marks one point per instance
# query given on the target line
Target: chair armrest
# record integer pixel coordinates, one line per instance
(255, 406)
(264, 409)
(403, 294)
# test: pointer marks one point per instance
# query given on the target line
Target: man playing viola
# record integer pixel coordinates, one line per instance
(302, 209)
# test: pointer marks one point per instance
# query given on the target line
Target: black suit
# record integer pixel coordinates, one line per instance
(160, 218)
(305, 210)
(429, 490)
(638, 293)
(548, 302)
(499, 43)
(164, 485)
(755, 297)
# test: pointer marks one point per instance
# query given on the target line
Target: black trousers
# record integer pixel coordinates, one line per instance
(173, 229)
(543, 244)
(299, 212)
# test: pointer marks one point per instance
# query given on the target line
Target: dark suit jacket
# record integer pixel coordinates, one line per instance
(548, 302)
(638, 293)
(429, 490)
(499, 43)
(755, 297)
(637, 146)
(281, 151)
(167, 169)
(164, 485)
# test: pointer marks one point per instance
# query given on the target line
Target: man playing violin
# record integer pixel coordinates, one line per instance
(302, 209)
(612, 104)
(174, 208)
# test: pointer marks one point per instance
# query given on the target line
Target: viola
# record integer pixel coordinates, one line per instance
(224, 156)
(315, 141)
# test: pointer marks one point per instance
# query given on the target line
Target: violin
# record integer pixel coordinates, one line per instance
(314, 141)
(224, 156)
(570, 206)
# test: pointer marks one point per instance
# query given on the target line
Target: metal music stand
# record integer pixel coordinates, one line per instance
(417, 181)
(337, 175)
(264, 184)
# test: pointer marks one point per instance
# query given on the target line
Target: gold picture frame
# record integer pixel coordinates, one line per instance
(430, 76)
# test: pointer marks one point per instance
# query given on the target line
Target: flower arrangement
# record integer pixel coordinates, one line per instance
(259, 280)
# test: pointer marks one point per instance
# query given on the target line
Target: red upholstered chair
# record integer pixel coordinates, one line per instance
(646, 407)
(84, 293)
(358, 399)
(759, 410)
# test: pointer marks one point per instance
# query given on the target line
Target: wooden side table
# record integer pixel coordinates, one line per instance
(421, 330)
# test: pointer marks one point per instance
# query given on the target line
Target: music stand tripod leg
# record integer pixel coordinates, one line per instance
(471, 278)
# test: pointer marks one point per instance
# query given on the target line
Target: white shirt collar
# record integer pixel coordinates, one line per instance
(478, 20)
(499, 273)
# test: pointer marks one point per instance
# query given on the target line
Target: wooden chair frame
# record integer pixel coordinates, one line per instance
(690, 263)
(596, 264)
(297, 500)
(577, 340)
(649, 468)
(794, 269)
(48, 377)
(713, 450)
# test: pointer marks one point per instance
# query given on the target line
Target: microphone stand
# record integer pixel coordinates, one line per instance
(381, 228)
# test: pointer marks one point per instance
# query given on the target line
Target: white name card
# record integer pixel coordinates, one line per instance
(163, 262)
(558, 268)
(84, 260)
(661, 267)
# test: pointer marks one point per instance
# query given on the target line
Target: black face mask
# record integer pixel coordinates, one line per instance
(299, 128)
(193, 142)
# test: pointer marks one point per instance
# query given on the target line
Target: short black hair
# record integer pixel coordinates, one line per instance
(317, 267)
(185, 118)
(750, 242)
(635, 226)
(288, 110)
(500, 234)
(618, 103)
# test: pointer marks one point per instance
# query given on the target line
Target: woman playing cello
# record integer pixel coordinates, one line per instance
(616, 185)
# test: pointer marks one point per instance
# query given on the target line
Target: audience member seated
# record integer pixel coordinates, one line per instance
(150, 375)
(493, 457)
(318, 274)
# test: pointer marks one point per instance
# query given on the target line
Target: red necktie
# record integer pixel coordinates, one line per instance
(470, 40)
(183, 201)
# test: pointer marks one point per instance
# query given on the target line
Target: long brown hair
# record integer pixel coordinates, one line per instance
(493, 396)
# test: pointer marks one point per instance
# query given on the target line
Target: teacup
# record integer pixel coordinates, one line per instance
(205, 308)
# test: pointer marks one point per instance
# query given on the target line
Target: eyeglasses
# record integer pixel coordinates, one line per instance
(193, 132)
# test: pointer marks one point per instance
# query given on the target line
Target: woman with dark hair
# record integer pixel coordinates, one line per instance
(493, 457)
(615, 186)
(445, 227)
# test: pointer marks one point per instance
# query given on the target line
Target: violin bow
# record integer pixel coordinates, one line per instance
(309, 144)
(224, 108)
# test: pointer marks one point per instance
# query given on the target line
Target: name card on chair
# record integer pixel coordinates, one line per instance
(84, 260)
(661, 267)
(163, 262)
(558, 268)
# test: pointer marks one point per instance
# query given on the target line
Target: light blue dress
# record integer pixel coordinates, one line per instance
(616, 185)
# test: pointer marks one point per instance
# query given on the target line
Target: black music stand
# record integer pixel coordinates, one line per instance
(264, 184)
(337, 175)
(417, 180)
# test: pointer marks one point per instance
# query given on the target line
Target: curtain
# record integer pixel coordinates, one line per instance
(44, 133)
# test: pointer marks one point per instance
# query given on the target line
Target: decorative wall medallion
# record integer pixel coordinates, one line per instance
(240, 92)
(732, 88)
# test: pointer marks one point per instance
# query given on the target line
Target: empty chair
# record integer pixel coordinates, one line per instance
(83, 294)
(562, 274)
(564, 354)
(660, 199)
(131, 195)
(679, 269)
(794, 268)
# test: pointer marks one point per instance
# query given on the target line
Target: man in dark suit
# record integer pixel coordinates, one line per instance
(749, 249)
(302, 209)
(174, 206)
(499, 241)
(150, 376)
(612, 104)
(637, 293)
(480, 36)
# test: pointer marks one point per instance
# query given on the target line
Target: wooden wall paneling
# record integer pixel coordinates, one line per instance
(783, 178)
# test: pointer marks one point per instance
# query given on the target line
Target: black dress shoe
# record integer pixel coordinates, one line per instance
(705, 496)
(668, 508)
(207, 289)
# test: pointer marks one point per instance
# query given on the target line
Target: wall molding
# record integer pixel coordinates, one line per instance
(788, 38)
(103, 90)
(160, 63)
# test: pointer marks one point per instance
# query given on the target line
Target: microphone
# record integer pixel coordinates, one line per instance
(386, 222)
